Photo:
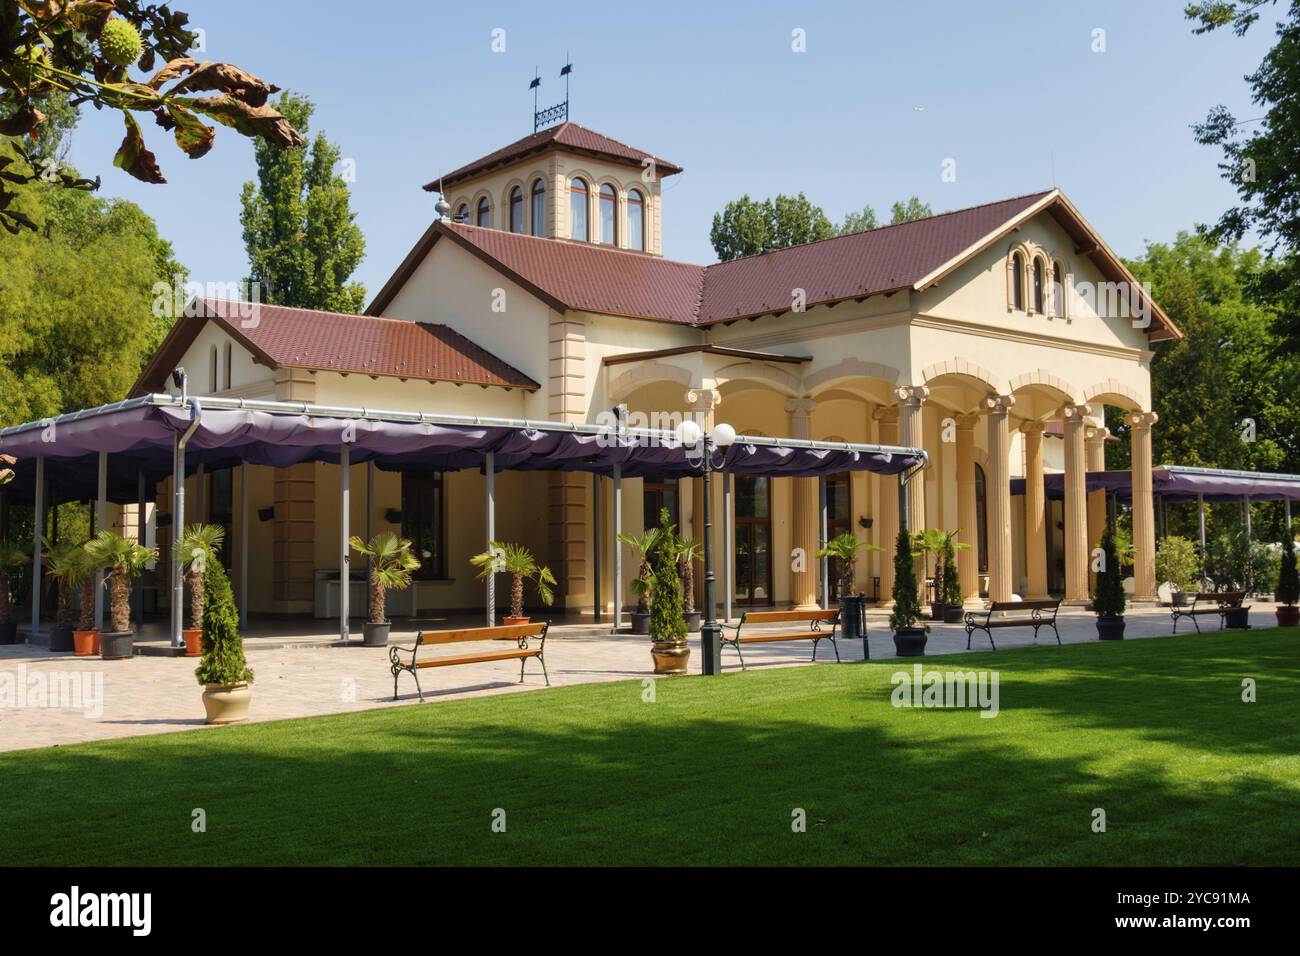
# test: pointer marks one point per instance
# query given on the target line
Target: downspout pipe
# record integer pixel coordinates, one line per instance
(178, 521)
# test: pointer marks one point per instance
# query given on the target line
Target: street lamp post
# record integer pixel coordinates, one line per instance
(722, 436)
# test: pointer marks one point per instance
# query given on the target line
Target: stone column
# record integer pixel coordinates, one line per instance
(999, 496)
(1077, 551)
(1095, 455)
(911, 435)
(1035, 512)
(1144, 520)
(803, 515)
(887, 520)
(968, 559)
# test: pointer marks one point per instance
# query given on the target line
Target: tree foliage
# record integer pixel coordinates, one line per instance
(303, 243)
(747, 227)
(667, 619)
(74, 52)
(1108, 598)
(223, 660)
(909, 210)
(907, 601)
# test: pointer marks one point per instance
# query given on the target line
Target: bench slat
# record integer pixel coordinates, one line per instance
(797, 636)
(773, 617)
(477, 658)
(503, 633)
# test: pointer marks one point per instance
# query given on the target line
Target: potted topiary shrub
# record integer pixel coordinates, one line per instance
(670, 651)
(391, 566)
(12, 559)
(65, 569)
(909, 640)
(688, 552)
(124, 560)
(844, 548)
(1178, 564)
(200, 545)
(1288, 588)
(518, 562)
(644, 545)
(1109, 601)
(947, 584)
(223, 672)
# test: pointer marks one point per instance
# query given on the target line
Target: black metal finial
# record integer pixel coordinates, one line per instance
(552, 114)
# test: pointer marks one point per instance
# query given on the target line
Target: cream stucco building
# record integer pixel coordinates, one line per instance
(992, 337)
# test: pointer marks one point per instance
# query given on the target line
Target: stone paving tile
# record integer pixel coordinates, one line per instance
(146, 695)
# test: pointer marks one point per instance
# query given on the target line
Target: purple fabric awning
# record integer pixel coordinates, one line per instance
(139, 437)
(1182, 483)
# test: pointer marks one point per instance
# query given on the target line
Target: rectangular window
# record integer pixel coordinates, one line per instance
(423, 511)
(659, 493)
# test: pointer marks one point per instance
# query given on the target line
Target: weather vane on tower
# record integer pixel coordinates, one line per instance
(552, 114)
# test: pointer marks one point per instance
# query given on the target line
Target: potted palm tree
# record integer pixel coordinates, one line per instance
(644, 545)
(223, 672)
(518, 562)
(844, 549)
(124, 560)
(669, 649)
(85, 636)
(926, 544)
(199, 547)
(1109, 600)
(65, 569)
(688, 552)
(12, 559)
(909, 640)
(1288, 588)
(391, 566)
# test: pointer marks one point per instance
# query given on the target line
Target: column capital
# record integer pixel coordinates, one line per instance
(1141, 419)
(702, 399)
(998, 404)
(885, 413)
(800, 407)
(1033, 427)
(1096, 434)
(1073, 414)
(912, 394)
(967, 423)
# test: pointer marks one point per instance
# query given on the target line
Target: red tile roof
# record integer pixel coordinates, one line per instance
(592, 278)
(329, 341)
(569, 135)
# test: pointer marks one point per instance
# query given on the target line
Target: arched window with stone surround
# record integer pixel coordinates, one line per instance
(1059, 290)
(517, 209)
(635, 220)
(539, 207)
(1016, 280)
(484, 218)
(608, 215)
(578, 194)
(462, 212)
(981, 521)
(1039, 281)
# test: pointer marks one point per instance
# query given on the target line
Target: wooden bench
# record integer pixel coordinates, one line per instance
(1208, 602)
(521, 634)
(1037, 617)
(815, 619)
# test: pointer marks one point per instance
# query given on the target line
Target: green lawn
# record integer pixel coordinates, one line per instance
(1153, 731)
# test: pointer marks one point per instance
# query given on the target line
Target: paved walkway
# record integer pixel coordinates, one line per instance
(299, 675)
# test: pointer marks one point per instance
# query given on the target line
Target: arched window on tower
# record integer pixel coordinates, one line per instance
(578, 210)
(539, 208)
(517, 209)
(462, 214)
(608, 215)
(635, 220)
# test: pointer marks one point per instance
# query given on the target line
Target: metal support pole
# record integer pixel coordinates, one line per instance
(101, 521)
(345, 574)
(902, 502)
(370, 503)
(178, 530)
(729, 544)
(138, 587)
(710, 632)
(597, 603)
(243, 545)
(201, 489)
(1200, 517)
(1287, 507)
(825, 532)
(618, 547)
(1250, 571)
(489, 470)
(38, 532)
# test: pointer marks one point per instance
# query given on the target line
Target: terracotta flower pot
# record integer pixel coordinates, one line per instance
(1288, 616)
(226, 703)
(193, 641)
(508, 619)
(85, 643)
(670, 657)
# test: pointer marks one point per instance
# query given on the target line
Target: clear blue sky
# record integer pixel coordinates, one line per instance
(885, 92)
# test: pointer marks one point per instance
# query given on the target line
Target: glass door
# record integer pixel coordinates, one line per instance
(753, 557)
(839, 519)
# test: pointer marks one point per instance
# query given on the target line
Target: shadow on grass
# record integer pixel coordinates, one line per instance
(712, 771)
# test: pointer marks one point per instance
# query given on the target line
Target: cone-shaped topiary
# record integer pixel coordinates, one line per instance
(120, 42)
(1108, 600)
(907, 603)
(667, 621)
(1288, 580)
(223, 649)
